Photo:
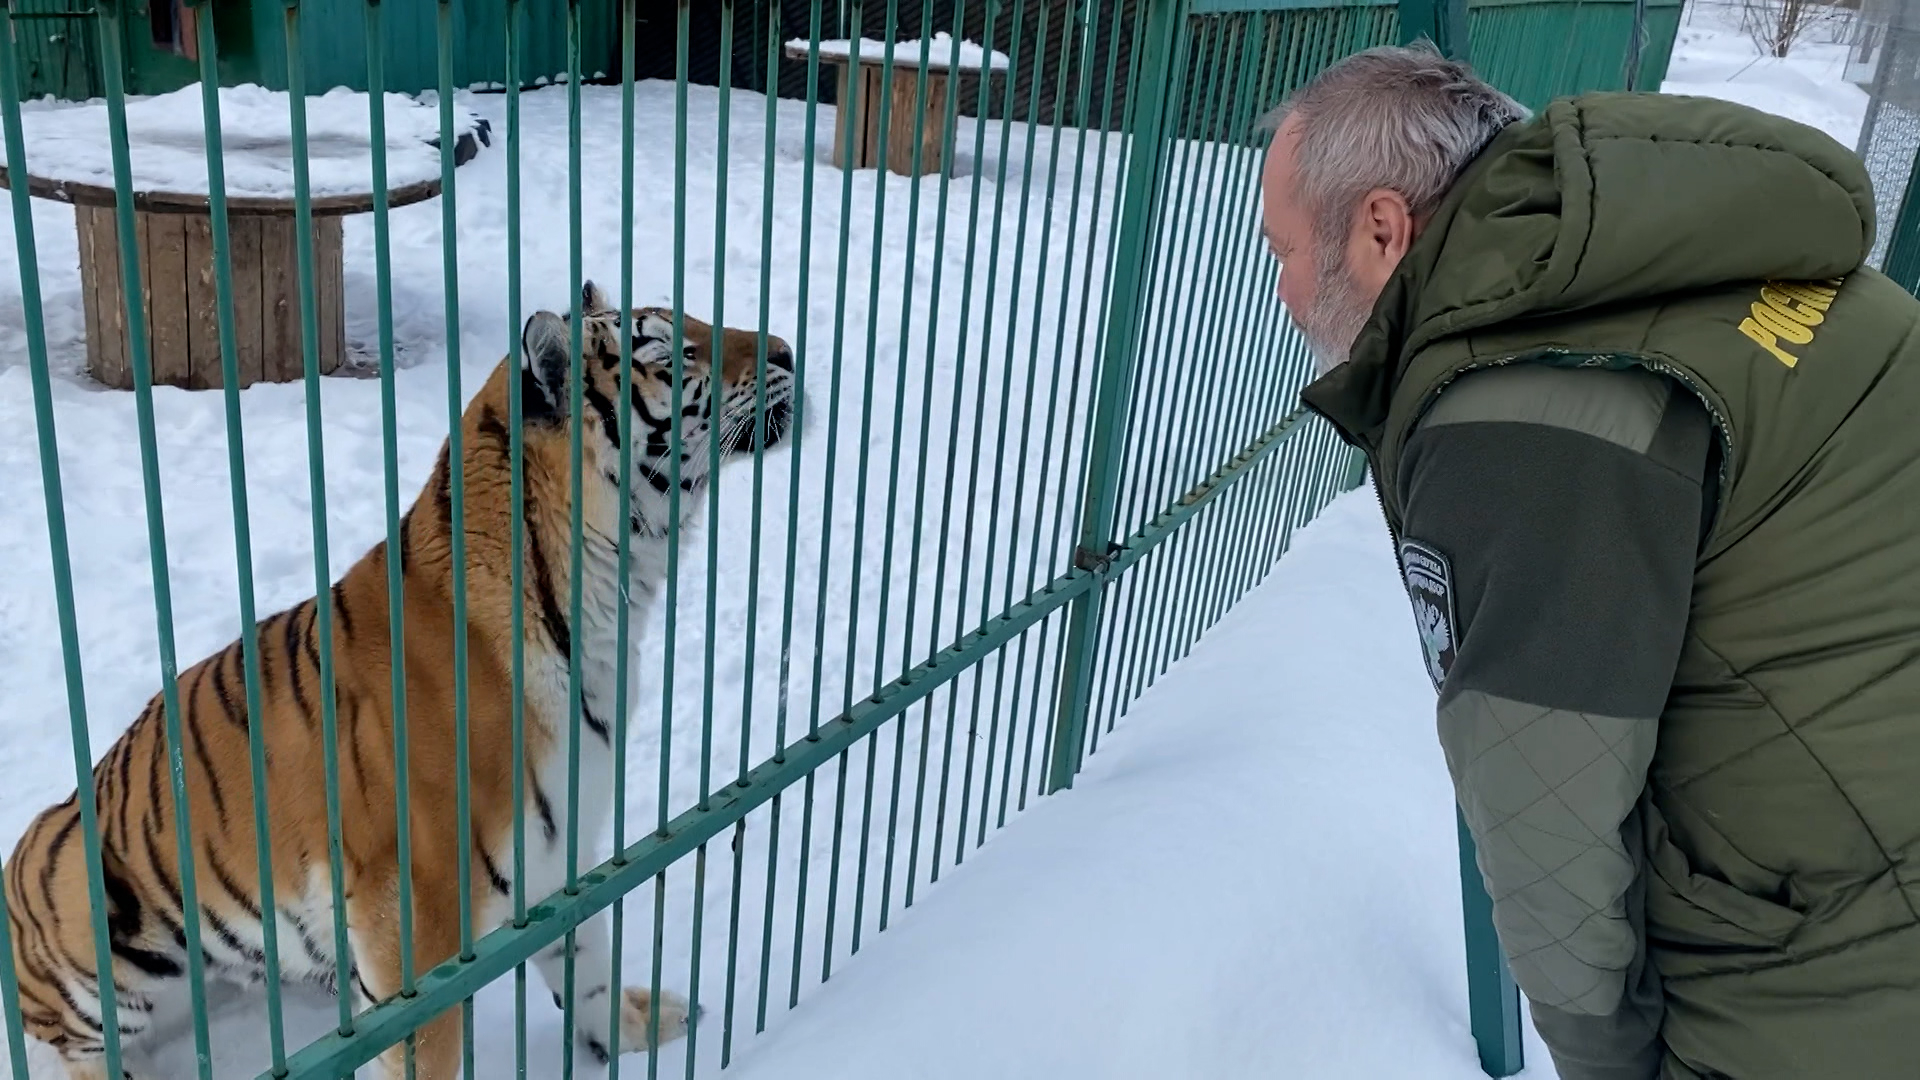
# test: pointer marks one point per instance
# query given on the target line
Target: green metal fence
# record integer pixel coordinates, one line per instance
(1048, 435)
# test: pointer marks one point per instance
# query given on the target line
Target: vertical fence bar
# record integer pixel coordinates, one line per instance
(1493, 999)
(242, 530)
(934, 636)
(456, 483)
(1902, 260)
(770, 83)
(676, 448)
(1103, 473)
(1115, 651)
(516, 454)
(989, 320)
(908, 654)
(576, 535)
(111, 30)
(866, 459)
(1147, 414)
(1036, 325)
(1007, 397)
(715, 426)
(55, 502)
(893, 474)
(1443, 22)
(623, 557)
(782, 700)
(855, 128)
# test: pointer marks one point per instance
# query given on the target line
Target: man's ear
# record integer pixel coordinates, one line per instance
(1384, 230)
(545, 361)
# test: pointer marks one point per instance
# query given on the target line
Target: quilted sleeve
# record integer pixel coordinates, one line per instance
(1552, 518)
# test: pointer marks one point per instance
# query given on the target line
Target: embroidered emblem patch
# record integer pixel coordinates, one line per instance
(1430, 587)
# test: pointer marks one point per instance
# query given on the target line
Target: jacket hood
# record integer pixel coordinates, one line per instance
(1604, 199)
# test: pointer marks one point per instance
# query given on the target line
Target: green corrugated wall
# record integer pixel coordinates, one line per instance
(60, 55)
(335, 37)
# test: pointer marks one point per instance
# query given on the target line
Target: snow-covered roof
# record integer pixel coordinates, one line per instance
(934, 53)
(166, 141)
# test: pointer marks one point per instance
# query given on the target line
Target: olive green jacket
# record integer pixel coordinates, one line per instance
(1647, 435)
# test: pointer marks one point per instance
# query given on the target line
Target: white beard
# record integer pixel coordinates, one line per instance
(1338, 314)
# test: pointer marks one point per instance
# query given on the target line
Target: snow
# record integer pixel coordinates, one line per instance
(1257, 873)
(167, 142)
(934, 53)
(1713, 57)
(1257, 877)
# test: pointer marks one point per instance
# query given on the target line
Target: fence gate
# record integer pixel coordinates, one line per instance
(1048, 434)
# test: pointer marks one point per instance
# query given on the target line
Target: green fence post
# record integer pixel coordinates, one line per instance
(1443, 22)
(1493, 1000)
(1636, 46)
(1902, 261)
(1356, 470)
(1102, 478)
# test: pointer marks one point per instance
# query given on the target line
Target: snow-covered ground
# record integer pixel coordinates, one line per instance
(1256, 878)
(1232, 889)
(1713, 57)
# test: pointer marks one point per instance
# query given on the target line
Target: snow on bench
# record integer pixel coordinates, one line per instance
(69, 158)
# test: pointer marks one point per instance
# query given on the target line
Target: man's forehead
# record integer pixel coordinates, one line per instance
(1276, 182)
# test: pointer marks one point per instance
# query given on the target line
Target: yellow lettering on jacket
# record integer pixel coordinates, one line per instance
(1786, 314)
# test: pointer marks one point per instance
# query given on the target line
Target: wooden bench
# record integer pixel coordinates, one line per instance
(178, 295)
(862, 85)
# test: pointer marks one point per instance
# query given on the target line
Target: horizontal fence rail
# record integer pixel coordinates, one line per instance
(671, 663)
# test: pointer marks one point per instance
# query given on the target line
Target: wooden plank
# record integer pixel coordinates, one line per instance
(842, 116)
(114, 368)
(281, 360)
(904, 122)
(145, 260)
(163, 267)
(248, 320)
(932, 159)
(188, 19)
(869, 117)
(203, 311)
(329, 290)
(83, 236)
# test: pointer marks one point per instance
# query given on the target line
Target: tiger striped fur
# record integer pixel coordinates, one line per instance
(46, 877)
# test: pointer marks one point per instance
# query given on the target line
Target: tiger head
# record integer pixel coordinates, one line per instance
(722, 395)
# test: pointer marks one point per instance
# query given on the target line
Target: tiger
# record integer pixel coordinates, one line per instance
(729, 394)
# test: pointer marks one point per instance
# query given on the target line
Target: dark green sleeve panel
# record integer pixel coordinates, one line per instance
(1568, 502)
(1553, 517)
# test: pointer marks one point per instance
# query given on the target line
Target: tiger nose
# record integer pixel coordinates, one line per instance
(780, 355)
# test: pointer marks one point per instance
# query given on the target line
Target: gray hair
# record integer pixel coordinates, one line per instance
(1401, 118)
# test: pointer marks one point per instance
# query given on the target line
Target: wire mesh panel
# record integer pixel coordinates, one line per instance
(728, 538)
(1887, 60)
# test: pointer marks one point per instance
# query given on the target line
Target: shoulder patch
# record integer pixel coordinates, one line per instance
(1429, 578)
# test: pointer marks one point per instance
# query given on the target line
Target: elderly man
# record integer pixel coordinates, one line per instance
(1644, 430)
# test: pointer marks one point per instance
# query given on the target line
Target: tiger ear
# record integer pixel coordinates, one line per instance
(544, 366)
(593, 301)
